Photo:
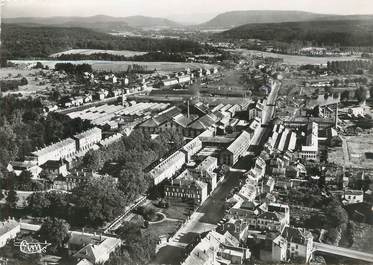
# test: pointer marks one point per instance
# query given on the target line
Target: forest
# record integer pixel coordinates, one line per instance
(340, 32)
(149, 57)
(350, 67)
(23, 128)
(39, 42)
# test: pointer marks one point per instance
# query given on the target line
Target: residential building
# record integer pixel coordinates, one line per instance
(216, 248)
(185, 187)
(92, 247)
(205, 172)
(256, 110)
(85, 140)
(184, 79)
(292, 243)
(8, 230)
(111, 140)
(353, 196)
(170, 82)
(56, 168)
(17, 167)
(350, 196)
(167, 167)
(235, 150)
(356, 111)
(61, 150)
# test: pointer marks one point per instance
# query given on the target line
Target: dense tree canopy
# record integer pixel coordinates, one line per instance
(40, 42)
(23, 127)
(342, 32)
(99, 200)
(54, 231)
(138, 247)
(12, 199)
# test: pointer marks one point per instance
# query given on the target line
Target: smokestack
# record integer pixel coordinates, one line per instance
(336, 117)
(188, 108)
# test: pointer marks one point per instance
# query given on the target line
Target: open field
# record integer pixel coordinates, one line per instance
(163, 228)
(295, 59)
(118, 66)
(36, 83)
(125, 53)
(356, 152)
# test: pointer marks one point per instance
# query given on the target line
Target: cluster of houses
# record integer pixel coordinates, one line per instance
(83, 248)
(253, 213)
(58, 159)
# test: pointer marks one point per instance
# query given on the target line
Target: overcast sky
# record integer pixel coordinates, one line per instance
(184, 9)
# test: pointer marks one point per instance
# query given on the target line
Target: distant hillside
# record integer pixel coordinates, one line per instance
(237, 18)
(342, 32)
(148, 22)
(100, 22)
(40, 42)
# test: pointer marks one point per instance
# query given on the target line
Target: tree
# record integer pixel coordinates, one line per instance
(38, 203)
(98, 200)
(132, 181)
(336, 214)
(39, 65)
(147, 212)
(25, 177)
(139, 247)
(24, 81)
(92, 160)
(345, 95)
(361, 94)
(12, 199)
(54, 231)
(129, 231)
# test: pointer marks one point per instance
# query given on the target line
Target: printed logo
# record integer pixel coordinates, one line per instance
(31, 247)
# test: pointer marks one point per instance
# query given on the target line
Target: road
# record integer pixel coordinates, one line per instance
(269, 110)
(344, 252)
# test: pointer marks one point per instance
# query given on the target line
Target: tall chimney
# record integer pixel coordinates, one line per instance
(188, 108)
(336, 117)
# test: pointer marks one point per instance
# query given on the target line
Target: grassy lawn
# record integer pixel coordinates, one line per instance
(164, 228)
(178, 210)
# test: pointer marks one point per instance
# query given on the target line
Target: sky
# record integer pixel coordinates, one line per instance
(181, 10)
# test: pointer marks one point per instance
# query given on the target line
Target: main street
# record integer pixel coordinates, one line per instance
(268, 112)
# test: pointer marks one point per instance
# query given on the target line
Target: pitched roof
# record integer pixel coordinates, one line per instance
(88, 133)
(269, 216)
(182, 120)
(244, 137)
(295, 235)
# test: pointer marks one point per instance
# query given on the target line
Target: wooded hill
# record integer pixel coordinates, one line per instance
(340, 32)
(39, 41)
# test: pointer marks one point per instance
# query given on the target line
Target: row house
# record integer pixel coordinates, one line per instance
(168, 167)
(61, 150)
(86, 140)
